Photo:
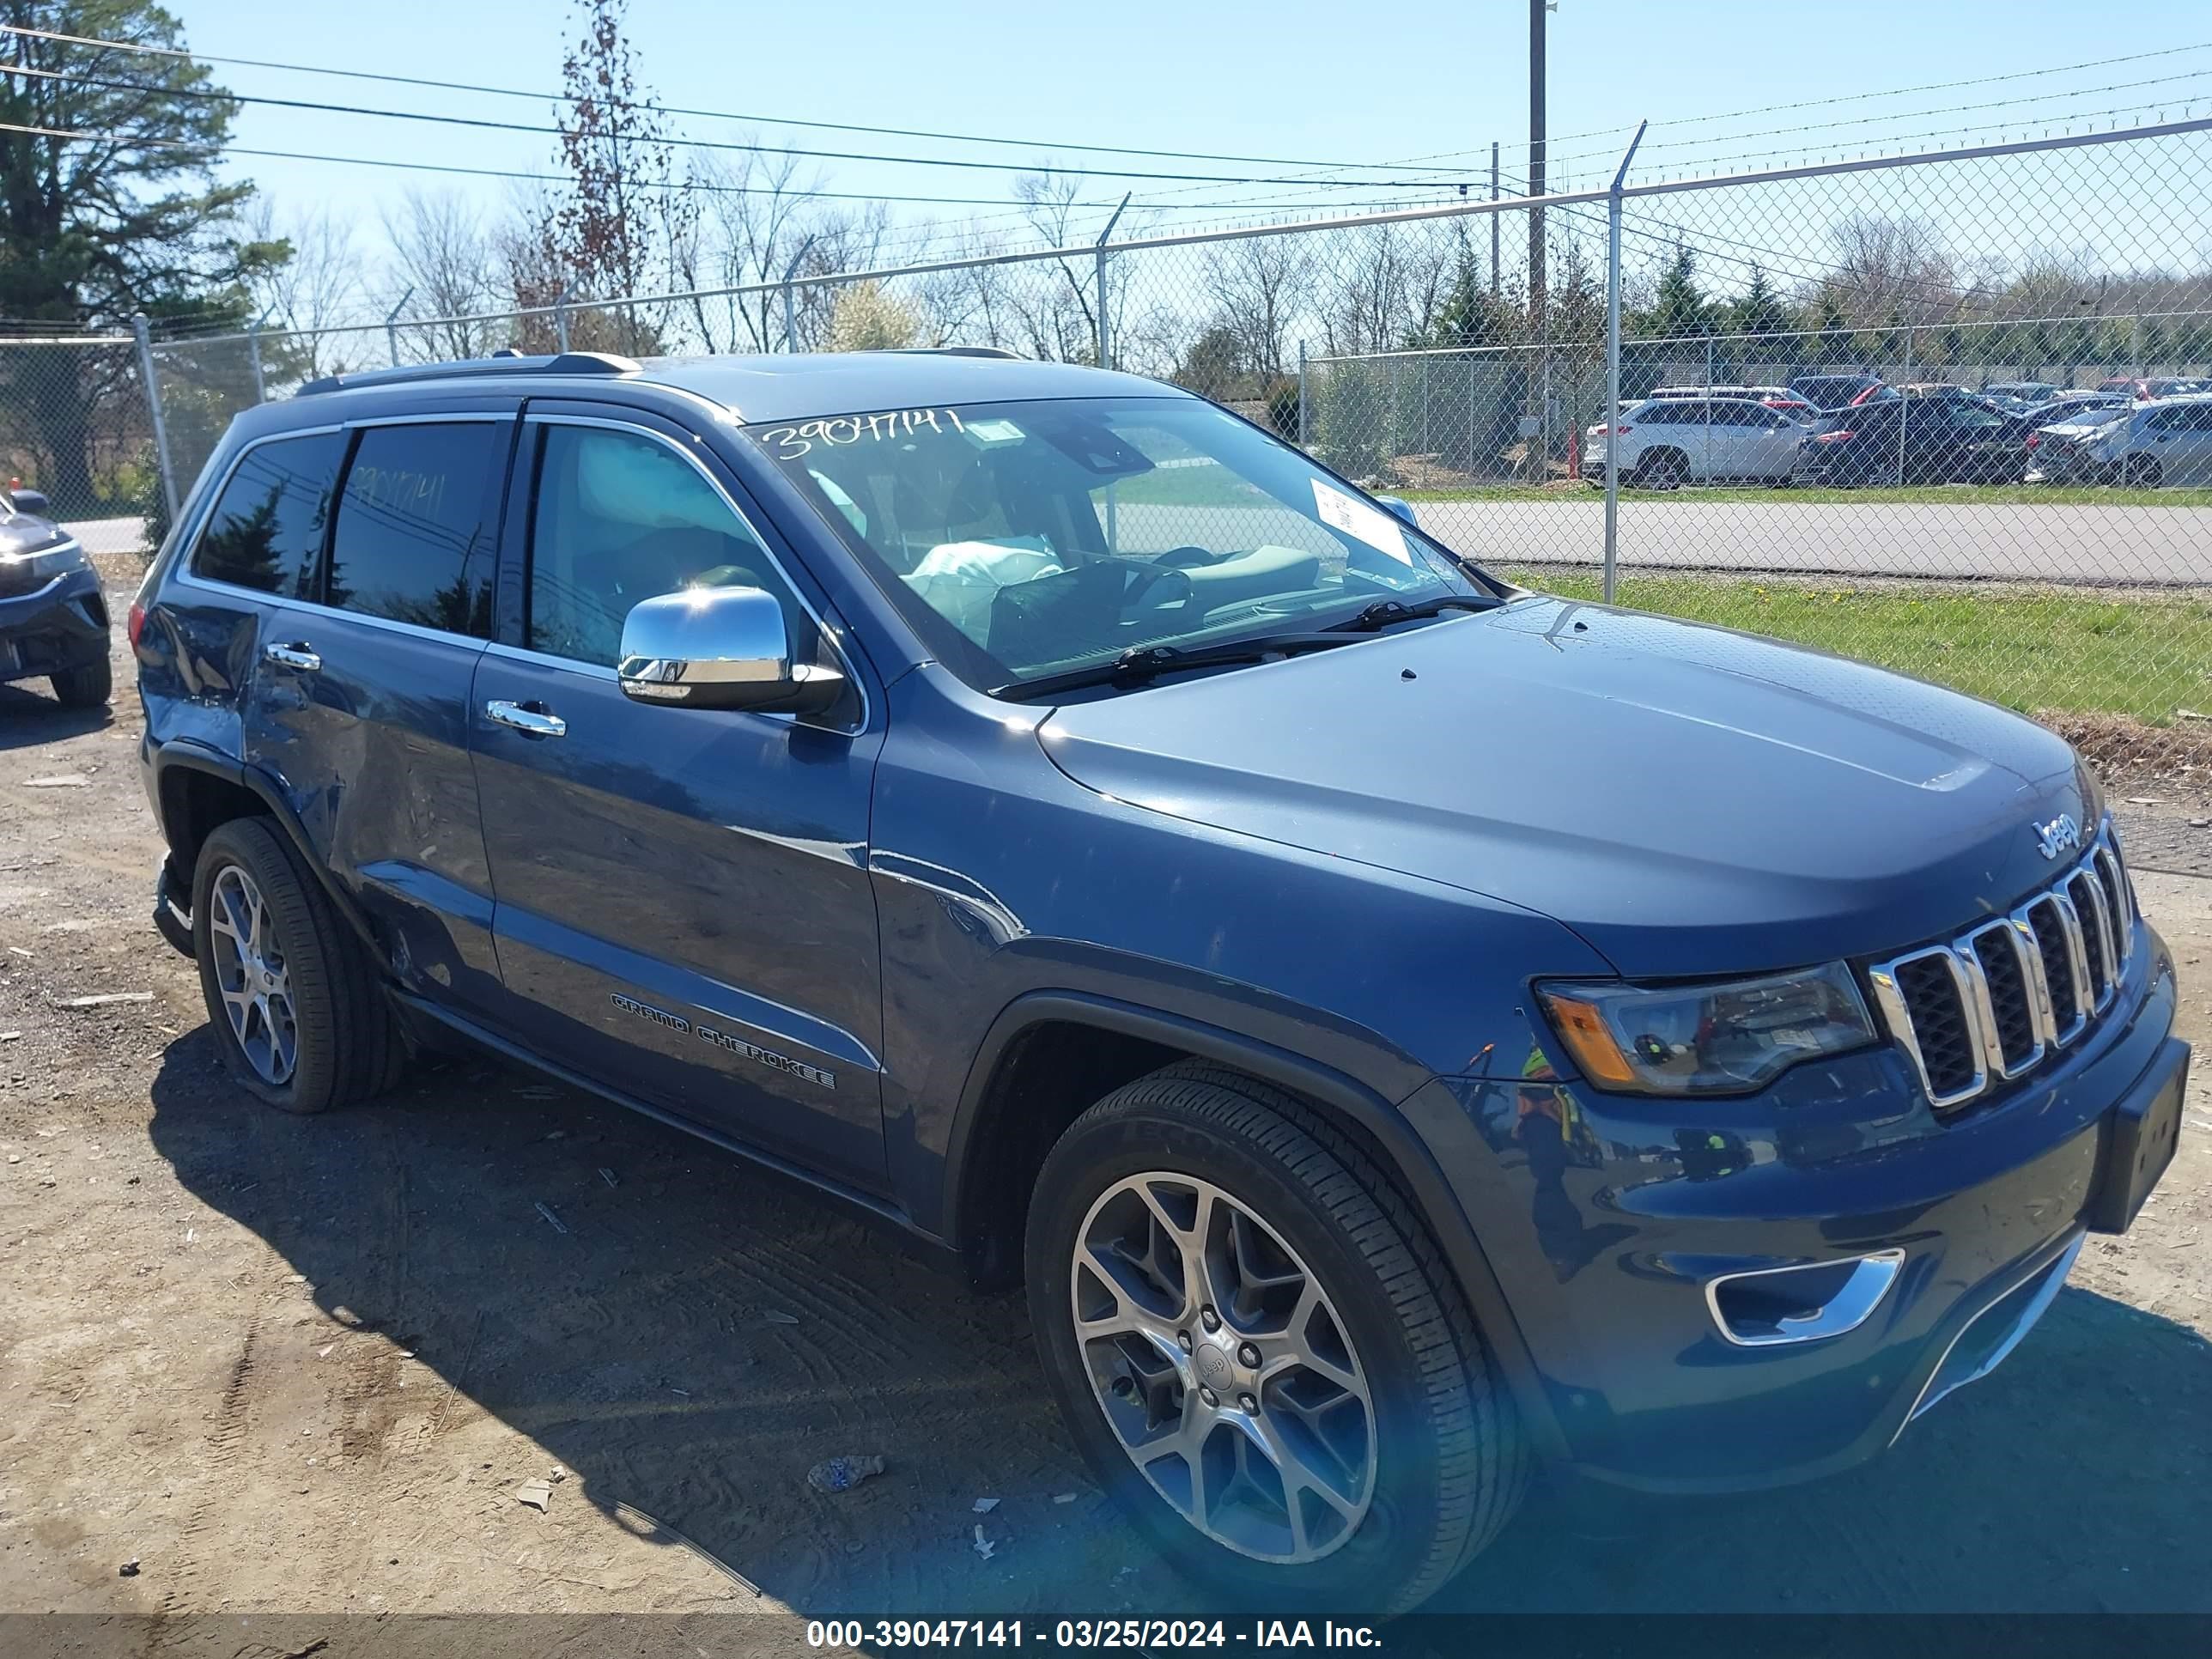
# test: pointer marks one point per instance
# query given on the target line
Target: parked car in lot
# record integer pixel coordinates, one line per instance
(2022, 392)
(1916, 440)
(2057, 449)
(1774, 396)
(1688, 1073)
(1666, 442)
(1830, 392)
(53, 618)
(2165, 442)
(2160, 385)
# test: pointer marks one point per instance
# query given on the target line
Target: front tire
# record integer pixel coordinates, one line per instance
(2142, 472)
(291, 994)
(88, 687)
(1259, 1350)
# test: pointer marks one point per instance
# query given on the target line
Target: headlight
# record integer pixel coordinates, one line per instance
(1724, 1039)
(47, 563)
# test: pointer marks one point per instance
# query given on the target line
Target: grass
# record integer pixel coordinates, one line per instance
(2031, 651)
(1913, 496)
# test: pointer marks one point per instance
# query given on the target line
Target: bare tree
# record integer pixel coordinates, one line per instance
(763, 212)
(1891, 270)
(1256, 283)
(972, 305)
(1382, 286)
(320, 287)
(1056, 304)
(442, 251)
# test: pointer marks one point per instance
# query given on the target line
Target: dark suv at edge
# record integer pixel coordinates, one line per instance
(1400, 1026)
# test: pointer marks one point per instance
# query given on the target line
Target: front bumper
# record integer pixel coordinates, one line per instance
(54, 628)
(1608, 1221)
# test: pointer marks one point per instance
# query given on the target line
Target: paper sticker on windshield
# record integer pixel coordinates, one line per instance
(1371, 524)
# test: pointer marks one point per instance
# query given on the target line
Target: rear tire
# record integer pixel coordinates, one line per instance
(88, 687)
(292, 994)
(1349, 1380)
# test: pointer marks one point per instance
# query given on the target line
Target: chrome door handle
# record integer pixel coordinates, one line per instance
(298, 655)
(536, 722)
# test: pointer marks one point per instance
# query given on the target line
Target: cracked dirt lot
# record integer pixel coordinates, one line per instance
(302, 1366)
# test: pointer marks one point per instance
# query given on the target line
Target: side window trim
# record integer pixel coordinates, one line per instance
(531, 448)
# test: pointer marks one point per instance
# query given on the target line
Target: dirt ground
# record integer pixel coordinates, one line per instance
(260, 1365)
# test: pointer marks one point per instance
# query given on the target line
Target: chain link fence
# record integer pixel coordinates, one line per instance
(1931, 411)
(75, 425)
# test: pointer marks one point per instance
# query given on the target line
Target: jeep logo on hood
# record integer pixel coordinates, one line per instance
(2061, 834)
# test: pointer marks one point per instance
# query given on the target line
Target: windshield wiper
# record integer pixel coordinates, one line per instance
(1141, 663)
(1383, 612)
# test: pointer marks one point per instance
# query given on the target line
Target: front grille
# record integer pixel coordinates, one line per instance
(1987, 1007)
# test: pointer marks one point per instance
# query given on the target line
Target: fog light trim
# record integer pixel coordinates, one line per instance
(1852, 1305)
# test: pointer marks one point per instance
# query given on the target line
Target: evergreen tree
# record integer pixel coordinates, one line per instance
(135, 221)
(1679, 310)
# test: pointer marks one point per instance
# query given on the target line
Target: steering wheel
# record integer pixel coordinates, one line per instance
(1143, 579)
(1184, 558)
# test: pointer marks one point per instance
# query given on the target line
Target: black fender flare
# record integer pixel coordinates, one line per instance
(187, 754)
(1344, 1097)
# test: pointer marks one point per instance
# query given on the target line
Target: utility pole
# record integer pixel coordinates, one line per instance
(1540, 443)
(1536, 10)
(1494, 219)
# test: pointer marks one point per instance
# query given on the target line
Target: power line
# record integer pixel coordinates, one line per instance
(552, 179)
(483, 124)
(1900, 91)
(1879, 140)
(668, 109)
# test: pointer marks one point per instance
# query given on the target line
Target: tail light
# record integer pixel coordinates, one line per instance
(135, 624)
(1863, 396)
(2034, 439)
(1621, 431)
(1833, 437)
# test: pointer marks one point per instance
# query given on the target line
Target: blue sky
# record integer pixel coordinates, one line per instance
(1293, 78)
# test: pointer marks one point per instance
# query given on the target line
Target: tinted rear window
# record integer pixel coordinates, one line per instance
(267, 526)
(414, 541)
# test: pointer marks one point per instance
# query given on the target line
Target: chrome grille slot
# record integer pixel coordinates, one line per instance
(1993, 1004)
(2113, 881)
(2011, 1032)
(2096, 932)
(2046, 921)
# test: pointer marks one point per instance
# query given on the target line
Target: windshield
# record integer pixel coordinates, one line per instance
(1028, 539)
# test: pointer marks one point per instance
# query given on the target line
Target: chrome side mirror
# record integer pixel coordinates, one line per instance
(720, 648)
(1404, 509)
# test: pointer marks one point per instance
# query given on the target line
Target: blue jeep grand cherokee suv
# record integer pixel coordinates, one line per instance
(1400, 1026)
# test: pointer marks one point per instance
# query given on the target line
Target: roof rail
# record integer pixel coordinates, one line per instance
(566, 362)
(958, 351)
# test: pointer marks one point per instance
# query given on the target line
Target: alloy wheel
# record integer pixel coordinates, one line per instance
(1223, 1368)
(252, 975)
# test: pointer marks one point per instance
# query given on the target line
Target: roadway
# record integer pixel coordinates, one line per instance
(2121, 546)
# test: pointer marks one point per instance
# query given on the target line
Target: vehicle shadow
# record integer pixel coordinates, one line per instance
(695, 1334)
(28, 718)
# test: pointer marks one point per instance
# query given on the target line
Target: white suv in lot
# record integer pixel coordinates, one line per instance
(1665, 442)
(2165, 442)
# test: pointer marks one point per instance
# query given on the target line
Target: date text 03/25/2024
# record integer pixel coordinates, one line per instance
(1127, 1634)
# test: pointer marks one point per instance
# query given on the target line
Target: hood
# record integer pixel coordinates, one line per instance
(1689, 800)
(21, 532)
